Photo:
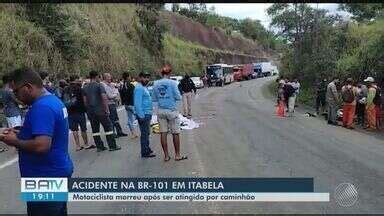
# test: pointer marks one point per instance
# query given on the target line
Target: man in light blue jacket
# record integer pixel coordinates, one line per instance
(167, 95)
(143, 109)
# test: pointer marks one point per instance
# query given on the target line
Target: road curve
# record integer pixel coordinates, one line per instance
(244, 138)
(239, 137)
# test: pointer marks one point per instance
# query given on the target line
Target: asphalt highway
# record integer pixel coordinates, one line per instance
(239, 136)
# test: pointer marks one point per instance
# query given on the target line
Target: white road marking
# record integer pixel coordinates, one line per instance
(15, 159)
(9, 163)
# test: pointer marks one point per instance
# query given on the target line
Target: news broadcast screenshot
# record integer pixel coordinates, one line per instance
(191, 107)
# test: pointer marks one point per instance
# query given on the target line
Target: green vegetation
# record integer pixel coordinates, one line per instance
(364, 12)
(69, 39)
(81, 37)
(320, 45)
(151, 30)
(183, 55)
(22, 43)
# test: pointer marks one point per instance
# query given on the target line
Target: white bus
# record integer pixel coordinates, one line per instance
(219, 74)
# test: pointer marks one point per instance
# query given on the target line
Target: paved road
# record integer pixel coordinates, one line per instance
(239, 137)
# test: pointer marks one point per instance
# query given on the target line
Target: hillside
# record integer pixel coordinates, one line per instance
(189, 30)
(105, 37)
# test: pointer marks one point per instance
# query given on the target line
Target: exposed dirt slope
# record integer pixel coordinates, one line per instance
(241, 50)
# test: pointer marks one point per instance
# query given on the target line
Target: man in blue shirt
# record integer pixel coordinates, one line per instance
(167, 94)
(143, 108)
(42, 141)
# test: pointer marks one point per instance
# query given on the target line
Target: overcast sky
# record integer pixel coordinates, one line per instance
(258, 10)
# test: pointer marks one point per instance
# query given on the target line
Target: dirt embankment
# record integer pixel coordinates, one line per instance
(236, 50)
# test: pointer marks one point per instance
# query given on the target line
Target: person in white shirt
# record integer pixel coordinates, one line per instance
(113, 96)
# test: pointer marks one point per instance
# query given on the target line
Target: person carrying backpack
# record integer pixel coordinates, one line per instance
(348, 94)
(187, 89)
(290, 97)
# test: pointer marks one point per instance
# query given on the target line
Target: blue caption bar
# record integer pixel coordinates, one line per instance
(44, 196)
(190, 185)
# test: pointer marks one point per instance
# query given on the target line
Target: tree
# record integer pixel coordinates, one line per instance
(175, 7)
(310, 34)
(151, 30)
(255, 30)
(58, 25)
(363, 11)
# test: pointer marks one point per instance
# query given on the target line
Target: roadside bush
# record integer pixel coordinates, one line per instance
(22, 44)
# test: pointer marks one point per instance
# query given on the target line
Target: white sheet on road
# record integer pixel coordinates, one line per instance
(185, 123)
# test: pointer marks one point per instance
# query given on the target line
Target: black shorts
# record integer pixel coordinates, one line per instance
(77, 119)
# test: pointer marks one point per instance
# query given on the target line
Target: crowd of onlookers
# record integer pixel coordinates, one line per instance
(97, 99)
(39, 117)
(351, 102)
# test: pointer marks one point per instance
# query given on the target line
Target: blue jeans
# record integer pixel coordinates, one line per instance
(131, 117)
(144, 124)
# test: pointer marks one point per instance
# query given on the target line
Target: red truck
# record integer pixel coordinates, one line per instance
(242, 72)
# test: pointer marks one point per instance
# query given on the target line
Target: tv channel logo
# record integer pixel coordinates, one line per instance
(44, 185)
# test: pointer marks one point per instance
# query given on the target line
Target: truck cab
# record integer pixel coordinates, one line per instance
(257, 70)
(266, 68)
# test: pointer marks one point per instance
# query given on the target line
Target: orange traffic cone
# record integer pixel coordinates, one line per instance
(280, 109)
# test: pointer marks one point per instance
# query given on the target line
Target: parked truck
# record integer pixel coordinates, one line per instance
(243, 72)
(263, 69)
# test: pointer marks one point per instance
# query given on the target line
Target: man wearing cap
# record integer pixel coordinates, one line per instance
(143, 108)
(167, 94)
(348, 93)
(370, 106)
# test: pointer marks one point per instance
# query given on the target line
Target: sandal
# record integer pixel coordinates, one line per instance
(167, 159)
(182, 158)
(90, 147)
(79, 149)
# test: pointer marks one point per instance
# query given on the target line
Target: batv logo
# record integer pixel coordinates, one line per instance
(44, 185)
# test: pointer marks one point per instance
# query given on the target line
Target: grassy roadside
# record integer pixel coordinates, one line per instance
(269, 89)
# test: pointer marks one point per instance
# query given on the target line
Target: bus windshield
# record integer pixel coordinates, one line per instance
(215, 71)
